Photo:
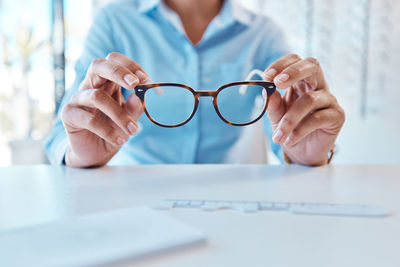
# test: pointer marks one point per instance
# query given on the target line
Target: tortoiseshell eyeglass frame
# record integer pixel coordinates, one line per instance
(140, 91)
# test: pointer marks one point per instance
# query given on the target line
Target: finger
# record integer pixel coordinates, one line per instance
(275, 109)
(119, 97)
(78, 118)
(134, 106)
(96, 98)
(304, 105)
(278, 66)
(113, 90)
(330, 119)
(290, 97)
(129, 64)
(102, 71)
(299, 71)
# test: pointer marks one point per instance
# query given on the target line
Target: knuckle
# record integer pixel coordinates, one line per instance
(132, 65)
(114, 69)
(97, 96)
(74, 98)
(97, 61)
(287, 122)
(342, 114)
(296, 133)
(310, 97)
(113, 55)
(294, 57)
(91, 120)
(293, 71)
(315, 117)
(334, 99)
(110, 133)
(66, 111)
(313, 61)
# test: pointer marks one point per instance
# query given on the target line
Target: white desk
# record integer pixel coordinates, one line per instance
(42, 193)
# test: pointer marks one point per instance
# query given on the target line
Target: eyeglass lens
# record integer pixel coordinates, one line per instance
(172, 105)
(169, 105)
(241, 104)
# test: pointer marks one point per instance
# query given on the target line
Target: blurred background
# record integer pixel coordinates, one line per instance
(356, 42)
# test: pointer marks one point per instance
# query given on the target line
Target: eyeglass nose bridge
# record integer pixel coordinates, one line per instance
(206, 93)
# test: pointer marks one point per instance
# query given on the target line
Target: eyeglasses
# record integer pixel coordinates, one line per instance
(174, 104)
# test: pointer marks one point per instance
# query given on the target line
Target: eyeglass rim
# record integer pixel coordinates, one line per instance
(140, 91)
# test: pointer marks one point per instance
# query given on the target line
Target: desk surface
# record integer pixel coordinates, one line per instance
(36, 194)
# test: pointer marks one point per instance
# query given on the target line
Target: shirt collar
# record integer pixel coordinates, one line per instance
(240, 14)
(231, 12)
(146, 5)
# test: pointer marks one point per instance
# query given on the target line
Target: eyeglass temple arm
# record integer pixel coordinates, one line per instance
(158, 90)
(243, 88)
(255, 72)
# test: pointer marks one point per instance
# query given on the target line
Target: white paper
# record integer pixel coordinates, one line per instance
(94, 239)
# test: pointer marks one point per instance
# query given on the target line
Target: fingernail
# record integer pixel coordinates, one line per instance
(282, 78)
(277, 136)
(120, 141)
(132, 128)
(130, 79)
(270, 73)
(142, 76)
(288, 141)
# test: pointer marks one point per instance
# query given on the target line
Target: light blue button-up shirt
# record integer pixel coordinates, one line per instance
(235, 42)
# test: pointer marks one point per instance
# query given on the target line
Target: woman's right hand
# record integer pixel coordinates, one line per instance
(98, 120)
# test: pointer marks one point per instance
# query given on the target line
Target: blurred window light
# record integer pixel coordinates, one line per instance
(32, 70)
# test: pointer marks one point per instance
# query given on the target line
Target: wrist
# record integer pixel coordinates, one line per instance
(319, 161)
(72, 160)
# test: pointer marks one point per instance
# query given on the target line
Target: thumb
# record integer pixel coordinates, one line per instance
(134, 106)
(276, 109)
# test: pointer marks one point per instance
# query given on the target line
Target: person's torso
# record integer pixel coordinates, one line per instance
(228, 51)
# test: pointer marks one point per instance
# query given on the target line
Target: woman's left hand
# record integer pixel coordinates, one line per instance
(307, 119)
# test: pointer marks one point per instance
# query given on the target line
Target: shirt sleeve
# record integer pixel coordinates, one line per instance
(276, 47)
(99, 42)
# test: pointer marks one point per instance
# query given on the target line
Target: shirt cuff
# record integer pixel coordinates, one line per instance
(56, 150)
